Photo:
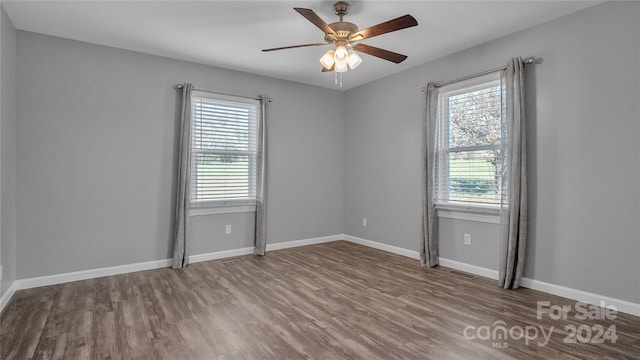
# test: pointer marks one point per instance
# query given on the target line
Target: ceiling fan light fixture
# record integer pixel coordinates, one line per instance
(353, 60)
(327, 60)
(343, 35)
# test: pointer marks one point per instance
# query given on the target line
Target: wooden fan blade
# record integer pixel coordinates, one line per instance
(400, 23)
(294, 46)
(381, 53)
(327, 70)
(315, 20)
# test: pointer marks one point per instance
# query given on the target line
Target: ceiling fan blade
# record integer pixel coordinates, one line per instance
(324, 69)
(294, 46)
(400, 23)
(316, 20)
(381, 53)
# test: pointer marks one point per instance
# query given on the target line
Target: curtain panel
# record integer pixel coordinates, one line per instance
(261, 181)
(429, 243)
(513, 212)
(183, 193)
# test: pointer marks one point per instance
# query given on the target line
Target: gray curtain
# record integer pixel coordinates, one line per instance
(183, 193)
(513, 212)
(429, 243)
(261, 181)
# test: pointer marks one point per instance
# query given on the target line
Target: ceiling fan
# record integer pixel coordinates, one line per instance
(346, 36)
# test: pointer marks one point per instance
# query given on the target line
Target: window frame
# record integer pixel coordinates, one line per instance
(488, 213)
(225, 206)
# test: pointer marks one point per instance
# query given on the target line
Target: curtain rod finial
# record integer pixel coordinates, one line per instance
(530, 60)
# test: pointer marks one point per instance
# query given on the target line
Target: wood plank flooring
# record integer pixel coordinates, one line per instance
(329, 301)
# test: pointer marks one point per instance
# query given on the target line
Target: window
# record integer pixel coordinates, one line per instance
(223, 151)
(468, 169)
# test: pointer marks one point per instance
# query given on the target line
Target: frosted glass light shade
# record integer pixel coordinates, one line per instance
(327, 59)
(354, 60)
(341, 54)
(341, 67)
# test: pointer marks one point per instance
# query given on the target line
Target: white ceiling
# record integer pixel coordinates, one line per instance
(230, 34)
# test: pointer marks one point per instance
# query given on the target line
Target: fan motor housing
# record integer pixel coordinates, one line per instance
(343, 29)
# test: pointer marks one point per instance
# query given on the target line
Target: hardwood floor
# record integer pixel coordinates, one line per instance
(330, 301)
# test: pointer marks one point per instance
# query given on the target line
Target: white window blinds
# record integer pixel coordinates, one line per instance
(468, 170)
(223, 152)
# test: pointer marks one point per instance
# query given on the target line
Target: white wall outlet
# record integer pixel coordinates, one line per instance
(364, 221)
(227, 229)
(467, 239)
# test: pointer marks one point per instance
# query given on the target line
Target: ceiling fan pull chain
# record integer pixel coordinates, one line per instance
(341, 80)
(335, 77)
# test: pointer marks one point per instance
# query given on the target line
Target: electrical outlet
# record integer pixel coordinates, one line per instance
(364, 221)
(227, 229)
(467, 239)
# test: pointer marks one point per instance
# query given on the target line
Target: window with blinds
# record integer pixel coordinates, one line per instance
(468, 169)
(223, 152)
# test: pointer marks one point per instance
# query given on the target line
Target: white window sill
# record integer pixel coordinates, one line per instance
(202, 211)
(469, 213)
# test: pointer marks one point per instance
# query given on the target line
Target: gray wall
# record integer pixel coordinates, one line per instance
(96, 138)
(584, 164)
(96, 157)
(7, 151)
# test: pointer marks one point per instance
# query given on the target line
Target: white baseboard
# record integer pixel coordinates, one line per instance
(472, 269)
(304, 242)
(574, 294)
(4, 300)
(220, 254)
(569, 293)
(90, 274)
(384, 247)
(270, 247)
(156, 264)
(579, 295)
